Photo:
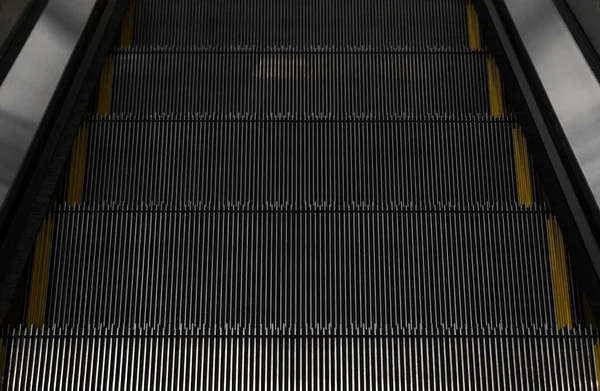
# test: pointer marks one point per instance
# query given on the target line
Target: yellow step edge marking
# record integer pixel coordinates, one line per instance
(522, 168)
(517, 166)
(77, 167)
(39, 275)
(491, 87)
(478, 42)
(560, 275)
(105, 85)
(127, 26)
(470, 26)
(495, 88)
(473, 28)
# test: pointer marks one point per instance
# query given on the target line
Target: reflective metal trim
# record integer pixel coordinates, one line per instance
(569, 83)
(27, 90)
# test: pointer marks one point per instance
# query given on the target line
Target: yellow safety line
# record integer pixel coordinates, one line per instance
(518, 166)
(522, 168)
(77, 167)
(105, 85)
(470, 26)
(491, 87)
(127, 27)
(473, 28)
(496, 94)
(560, 275)
(495, 88)
(39, 275)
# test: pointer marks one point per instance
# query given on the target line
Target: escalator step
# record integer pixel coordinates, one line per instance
(165, 266)
(307, 23)
(173, 159)
(375, 84)
(488, 359)
(313, 194)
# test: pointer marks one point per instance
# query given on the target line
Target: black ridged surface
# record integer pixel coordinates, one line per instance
(302, 195)
(298, 163)
(165, 266)
(193, 358)
(301, 24)
(414, 81)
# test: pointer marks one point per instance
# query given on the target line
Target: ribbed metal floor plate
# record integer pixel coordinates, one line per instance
(297, 163)
(158, 266)
(301, 195)
(441, 359)
(198, 81)
(307, 23)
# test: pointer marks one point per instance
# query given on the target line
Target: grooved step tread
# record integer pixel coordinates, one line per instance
(315, 268)
(322, 83)
(295, 163)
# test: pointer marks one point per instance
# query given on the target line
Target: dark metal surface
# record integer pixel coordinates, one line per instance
(27, 90)
(572, 208)
(321, 203)
(11, 13)
(568, 82)
(587, 13)
(38, 183)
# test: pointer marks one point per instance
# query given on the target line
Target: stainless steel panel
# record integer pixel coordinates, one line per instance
(567, 79)
(27, 89)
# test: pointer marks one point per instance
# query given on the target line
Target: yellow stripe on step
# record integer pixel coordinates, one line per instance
(560, 275)
(473, 28)
(127, 27)
(495, 88)
(105, 85)
(39, 275)
(77, 167)
(522, 168)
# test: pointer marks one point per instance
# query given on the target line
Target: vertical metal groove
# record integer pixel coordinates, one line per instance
(294, 195)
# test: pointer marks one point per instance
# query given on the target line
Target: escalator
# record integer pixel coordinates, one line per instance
(301, 195)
